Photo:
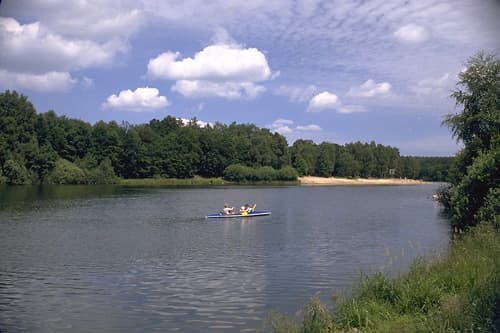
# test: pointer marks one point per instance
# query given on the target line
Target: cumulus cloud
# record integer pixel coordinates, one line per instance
(221, 70)
(371, 89)
(200, 123)
(141, 99)
(411, 33)
(435, 86)
(286, 126)
(46, 82)
(33, 48)
(282, 126)
(329, 101)
(214, 62)
(322, 101)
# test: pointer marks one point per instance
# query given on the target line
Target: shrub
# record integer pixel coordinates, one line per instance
(65, 172)
(16, 173)
(236, 173)
(287, 173)
(103, 174)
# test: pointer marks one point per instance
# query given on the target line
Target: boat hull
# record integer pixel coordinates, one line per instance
(226, 216)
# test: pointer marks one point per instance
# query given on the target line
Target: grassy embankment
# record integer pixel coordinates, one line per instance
(195, 181)
(457, 293)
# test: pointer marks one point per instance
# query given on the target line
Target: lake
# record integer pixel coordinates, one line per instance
(117, 259)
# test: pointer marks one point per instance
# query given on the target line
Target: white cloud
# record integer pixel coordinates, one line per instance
(215, 63)
(101, 20)
(286, 126)
(351, 108)
(51, 81)
(200, 123)
(309, 128)
(411, 33)
(141, 99)
(228, 90)
(297, 94)
(87, 82)
(371, 89)
(435, 86)
(221, 70)
(322, 101)
(282, 126)
(33, 48)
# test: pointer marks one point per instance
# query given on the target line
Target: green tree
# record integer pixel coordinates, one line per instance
(325, 163)
(478, 127)
(304, 155)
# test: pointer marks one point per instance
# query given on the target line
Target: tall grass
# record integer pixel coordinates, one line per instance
(195, 181)
(457, 293)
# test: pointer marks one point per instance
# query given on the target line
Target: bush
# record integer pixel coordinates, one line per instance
(65, 172)
(241, 173)
(287, 173)
(236, 173)
(103, 174)
(266, 173)
(469, 195)
(16, 173)
(490, 211)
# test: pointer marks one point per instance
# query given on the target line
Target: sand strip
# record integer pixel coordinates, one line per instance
(334, 181)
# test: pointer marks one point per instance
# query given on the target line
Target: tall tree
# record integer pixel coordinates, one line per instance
(478, 127)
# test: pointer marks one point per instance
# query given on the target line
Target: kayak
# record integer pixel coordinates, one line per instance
(221, 215)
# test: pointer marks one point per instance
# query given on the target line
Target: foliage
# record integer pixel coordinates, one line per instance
(15, 173)
(168, 148)
(66, 172)
(241, 173)
(475, 177)
(468, 196)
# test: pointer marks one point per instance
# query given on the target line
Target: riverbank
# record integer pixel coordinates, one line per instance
(306, 181)
(334, 181)
(457, 293)
(195, 181)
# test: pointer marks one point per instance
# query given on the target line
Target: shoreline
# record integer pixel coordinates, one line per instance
(334, 181)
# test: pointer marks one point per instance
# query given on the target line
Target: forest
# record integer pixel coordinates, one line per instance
(37, 148)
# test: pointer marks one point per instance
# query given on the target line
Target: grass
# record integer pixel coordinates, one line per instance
(457, 293)
(195, 181)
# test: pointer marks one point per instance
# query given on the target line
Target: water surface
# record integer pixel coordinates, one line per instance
(113, 259)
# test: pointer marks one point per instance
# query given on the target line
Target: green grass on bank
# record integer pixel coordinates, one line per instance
(195, 181)
(457, 293)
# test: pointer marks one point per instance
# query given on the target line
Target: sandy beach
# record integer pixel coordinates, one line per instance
(333, 181)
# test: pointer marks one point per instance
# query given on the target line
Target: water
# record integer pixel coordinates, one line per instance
(111, 259)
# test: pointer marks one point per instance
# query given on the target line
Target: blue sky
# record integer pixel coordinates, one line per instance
(338, 70)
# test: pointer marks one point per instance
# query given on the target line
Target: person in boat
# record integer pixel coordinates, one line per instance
(228, 210)
(246, 209)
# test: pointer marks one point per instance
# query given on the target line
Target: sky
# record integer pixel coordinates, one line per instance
(338, 70)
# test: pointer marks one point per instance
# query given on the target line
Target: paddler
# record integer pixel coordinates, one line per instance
(228, 210)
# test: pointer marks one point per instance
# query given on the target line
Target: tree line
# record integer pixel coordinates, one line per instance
(47, 148)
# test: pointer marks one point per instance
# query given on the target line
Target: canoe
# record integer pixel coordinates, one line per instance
(225, 216)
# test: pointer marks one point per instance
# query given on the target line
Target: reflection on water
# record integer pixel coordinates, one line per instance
(92, 258)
